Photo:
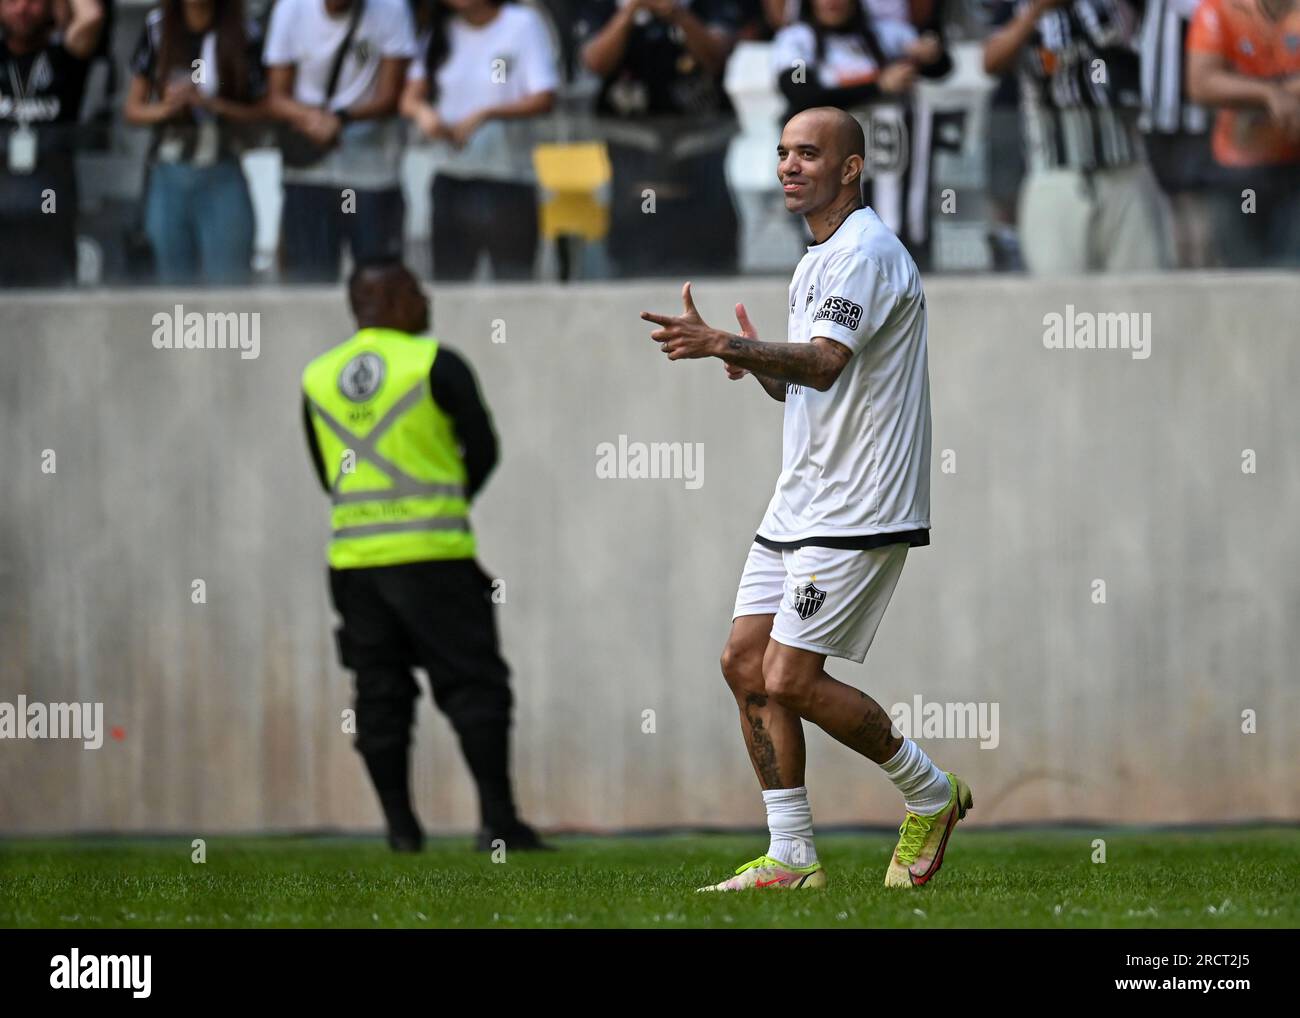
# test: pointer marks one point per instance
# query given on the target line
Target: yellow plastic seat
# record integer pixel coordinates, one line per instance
(572, 175)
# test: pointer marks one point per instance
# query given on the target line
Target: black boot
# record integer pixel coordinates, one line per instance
(486, 747)
(518, 837)
(404, 833)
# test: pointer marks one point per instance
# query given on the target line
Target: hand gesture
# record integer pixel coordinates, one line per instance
(1284, 108)
(897, 77)
(926, 50)
(664, 10)
(321, 126)
(459, 134)
(749, 332)
(683, 336)
(179, 95)
(429, 123)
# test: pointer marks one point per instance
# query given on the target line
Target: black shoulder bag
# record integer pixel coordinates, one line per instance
(298, 150)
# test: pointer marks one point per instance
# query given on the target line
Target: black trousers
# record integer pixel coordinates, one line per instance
(437, 616)
(40, 244)
(313, 228)
(470, 216)
(693, 229)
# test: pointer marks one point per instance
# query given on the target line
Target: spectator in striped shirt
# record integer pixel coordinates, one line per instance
(1089, 202)
(1244, 59)
(1176, 130)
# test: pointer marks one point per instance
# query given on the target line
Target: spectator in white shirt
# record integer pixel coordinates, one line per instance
(353, 192)
(485, 69)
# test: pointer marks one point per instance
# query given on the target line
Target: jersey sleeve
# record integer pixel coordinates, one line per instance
(417, 70)
(853, 302)
(539, 61)
(592, 16)
(144, 57)
(793, 45)
(397, 36)
(1206, 32)
(281, 37)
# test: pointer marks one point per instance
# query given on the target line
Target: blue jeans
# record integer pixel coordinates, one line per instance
(200, 222)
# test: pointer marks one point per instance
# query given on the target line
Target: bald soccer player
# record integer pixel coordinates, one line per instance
(852, 497)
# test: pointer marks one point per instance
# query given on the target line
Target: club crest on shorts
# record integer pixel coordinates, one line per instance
(808, 599)
(362, 376)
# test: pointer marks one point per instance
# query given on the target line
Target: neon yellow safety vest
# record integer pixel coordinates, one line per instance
(392, 461)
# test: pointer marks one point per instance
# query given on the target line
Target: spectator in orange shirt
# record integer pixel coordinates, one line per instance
(1243, 57)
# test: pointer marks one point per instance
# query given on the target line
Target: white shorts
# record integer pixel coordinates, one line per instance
(827, 600)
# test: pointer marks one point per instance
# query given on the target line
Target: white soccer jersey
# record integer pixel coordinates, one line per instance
(856, 458)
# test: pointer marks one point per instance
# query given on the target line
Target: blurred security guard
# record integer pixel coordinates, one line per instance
(402, 442)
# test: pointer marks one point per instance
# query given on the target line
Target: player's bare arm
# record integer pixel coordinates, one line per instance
(687, 336)
(774, 387)
(817, 364)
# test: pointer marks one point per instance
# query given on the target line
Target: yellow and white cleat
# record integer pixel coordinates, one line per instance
(922, 839)
(766, 873)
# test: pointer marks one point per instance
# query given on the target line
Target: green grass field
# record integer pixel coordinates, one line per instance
(1233, 878)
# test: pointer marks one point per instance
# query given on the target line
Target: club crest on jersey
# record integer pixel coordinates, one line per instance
(839, 310)
(808, 600)
(362, 376)
(809, 299)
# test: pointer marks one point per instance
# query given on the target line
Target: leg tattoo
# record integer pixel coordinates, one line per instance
(761, 749)
(873, 735)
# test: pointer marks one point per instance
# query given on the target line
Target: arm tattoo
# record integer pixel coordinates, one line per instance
(811, 364)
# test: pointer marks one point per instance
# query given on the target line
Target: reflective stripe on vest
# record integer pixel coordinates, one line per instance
(403, 483)
(438, 523)
(406, 505)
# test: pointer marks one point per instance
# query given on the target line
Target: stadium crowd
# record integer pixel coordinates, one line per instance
(1149, 135)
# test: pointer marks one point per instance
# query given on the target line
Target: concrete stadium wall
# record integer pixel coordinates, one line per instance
(1070, 466)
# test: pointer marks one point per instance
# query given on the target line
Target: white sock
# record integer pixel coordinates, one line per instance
(789, 820)
(925, 788)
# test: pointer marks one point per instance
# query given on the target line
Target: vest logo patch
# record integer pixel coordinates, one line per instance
(362, 377)
(839, 310)
(808, 600)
